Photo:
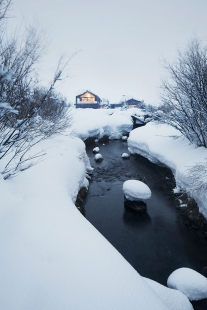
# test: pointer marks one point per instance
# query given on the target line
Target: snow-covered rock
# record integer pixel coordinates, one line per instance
(96, 149)
(98, 157)
(189, 282)
(136, 190)
(124, 138)
(174, 300)
(125, 155)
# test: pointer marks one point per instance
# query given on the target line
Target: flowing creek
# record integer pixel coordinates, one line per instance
(156, 243)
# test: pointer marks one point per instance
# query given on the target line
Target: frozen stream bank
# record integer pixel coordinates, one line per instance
(155, 244)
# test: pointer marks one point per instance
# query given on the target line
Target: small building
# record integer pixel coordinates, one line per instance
(133, 103)
(87, 100)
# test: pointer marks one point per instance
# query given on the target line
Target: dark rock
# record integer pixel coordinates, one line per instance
(81, 197)
(204, 271)
(126, 158)
(99, 159)
(125, 133)
(137, 206)
(104, 139)
(90, 140)
(191, 213)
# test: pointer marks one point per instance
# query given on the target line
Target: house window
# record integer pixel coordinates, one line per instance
(87, 97)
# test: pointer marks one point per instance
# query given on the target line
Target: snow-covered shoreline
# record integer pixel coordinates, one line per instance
(163, 144)
(97, 123)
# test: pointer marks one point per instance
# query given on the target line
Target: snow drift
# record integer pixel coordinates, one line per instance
(165, 145)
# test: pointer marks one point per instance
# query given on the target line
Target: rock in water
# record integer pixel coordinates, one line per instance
(96, 149)
(136, 190)
(125, 156)
(98, 157)
(136, 206)
(191, 283)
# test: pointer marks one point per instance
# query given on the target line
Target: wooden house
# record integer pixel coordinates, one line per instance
(133, 103)
(88, 100)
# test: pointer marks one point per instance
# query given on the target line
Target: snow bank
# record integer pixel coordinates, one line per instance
(189, 282)
(136, 190)
(173, 299)
(164, 144)
(111, 122)
(51, 256)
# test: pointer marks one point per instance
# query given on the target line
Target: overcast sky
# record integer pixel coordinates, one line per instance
(121, 42)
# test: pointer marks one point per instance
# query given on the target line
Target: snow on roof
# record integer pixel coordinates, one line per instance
(126, 97)
(87, 91)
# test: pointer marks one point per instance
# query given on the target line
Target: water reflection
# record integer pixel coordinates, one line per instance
(131, 218)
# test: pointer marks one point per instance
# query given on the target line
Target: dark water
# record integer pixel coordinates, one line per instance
(156, 243)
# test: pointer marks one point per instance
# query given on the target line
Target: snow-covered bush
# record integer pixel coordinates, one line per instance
(184, 94)
(197, 177)
(106, 104)
(124, 106)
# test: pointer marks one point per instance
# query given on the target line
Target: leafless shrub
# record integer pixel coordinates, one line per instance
(197, 177)
(184, 94)
(28, 113)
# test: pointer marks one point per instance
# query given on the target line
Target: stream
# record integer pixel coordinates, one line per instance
(155, 243)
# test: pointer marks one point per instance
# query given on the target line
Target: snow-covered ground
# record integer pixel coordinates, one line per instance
(51, 257)
(164, 144)
(112, 122)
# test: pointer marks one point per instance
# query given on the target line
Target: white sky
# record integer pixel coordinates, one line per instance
(122, 42)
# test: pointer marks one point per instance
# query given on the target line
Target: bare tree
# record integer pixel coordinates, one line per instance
(184, 94)
(19, 137)
(4, 8)
(28, 113)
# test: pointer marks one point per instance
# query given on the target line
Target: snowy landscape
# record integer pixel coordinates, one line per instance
(51, 257)
(53, 151)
